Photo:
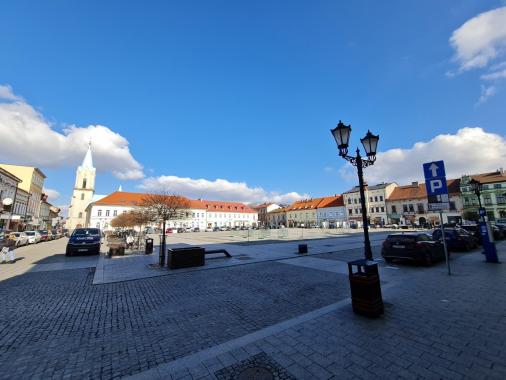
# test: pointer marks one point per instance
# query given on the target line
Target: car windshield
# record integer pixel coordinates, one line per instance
(30, 233)
(86, 232)
(43, 231)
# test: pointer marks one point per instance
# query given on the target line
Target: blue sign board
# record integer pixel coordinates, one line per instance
(435, 183)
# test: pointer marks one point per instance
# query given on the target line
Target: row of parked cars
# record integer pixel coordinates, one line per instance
(209, 229)
(427, 247)
(33, 237)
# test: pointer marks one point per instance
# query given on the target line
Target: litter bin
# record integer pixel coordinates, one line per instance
(365, 288)
(302, 248)
(149, 246)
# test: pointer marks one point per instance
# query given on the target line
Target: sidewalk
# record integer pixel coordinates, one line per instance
(435, 326)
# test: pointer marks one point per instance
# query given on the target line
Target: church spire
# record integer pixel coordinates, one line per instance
(88, 160)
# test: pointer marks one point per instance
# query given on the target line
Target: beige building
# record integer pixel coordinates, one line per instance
(277, 217)
(262, 210)
(375, 197)
(408, 205)
(303, 213)
(32, 181)
(82, 195)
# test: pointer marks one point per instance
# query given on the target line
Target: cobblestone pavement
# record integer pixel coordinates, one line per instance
(435, 327)
(56, 324)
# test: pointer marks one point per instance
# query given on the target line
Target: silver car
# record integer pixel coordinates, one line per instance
(21, 238)
(33, 237)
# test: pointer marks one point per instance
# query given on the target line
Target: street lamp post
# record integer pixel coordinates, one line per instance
(341, 134)
(488, 244)
(365, 285)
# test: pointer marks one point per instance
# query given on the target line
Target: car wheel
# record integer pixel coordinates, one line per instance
(67, 253)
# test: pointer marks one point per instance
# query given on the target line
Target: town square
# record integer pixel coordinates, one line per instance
(269, 190)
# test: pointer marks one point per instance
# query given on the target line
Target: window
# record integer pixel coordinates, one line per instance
(411, 208)
(381, 198)
(487, 200)
(394, 209)
(355, 200)
(84, 183)
(106, 212)
(377, 209)
(99, 213)
(372, 209)
(370, 199)
(82, 196)
(382, 209)
(501, 199)
(349, 201)
(115, 213)
(376, 199)
(405, 208)
(452, 206)
(80, 215)
(497, 185)
(420, 208)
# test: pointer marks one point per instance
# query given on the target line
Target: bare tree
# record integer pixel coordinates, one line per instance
(163, 207)
(122, 221)
(139, 218)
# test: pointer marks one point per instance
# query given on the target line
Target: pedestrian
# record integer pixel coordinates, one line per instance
(8, 249)
(130, 241)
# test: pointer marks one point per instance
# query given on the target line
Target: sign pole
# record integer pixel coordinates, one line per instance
(444, 242)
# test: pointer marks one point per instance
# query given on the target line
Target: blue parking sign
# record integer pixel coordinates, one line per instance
(435, 183)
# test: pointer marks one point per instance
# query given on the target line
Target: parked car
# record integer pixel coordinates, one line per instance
(209, 229)
(180, 230)
(502, 227)
(412, 246)
(44, 236)
(65, 232)
(56, 233)
(215, 229)
(33, 237)
(196, 229)
(474, 230)
(497, 231)
(21, 238)
(456, 239)
(84, 240)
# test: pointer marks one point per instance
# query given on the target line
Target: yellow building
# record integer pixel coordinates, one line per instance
(32, 181)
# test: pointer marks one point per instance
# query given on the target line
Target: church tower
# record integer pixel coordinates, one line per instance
(82, 196)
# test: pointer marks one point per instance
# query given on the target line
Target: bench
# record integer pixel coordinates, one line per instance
(185, 257)
(224, 251)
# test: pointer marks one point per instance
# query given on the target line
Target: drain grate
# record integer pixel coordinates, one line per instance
(257, 367)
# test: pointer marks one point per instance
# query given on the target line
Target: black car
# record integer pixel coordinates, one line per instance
(474, 230)
(84, 240)
(196, 229)
(456, 239)
(418, 247)
(215, 229)
(498, 231)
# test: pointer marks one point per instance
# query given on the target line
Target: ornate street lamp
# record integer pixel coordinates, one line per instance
(488, 245)
(342, 134)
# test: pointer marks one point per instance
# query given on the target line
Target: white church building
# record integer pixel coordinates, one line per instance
(83, 193)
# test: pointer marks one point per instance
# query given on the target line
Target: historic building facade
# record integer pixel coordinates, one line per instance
(82, 195)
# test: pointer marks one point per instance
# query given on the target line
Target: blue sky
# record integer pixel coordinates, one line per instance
(244, 91)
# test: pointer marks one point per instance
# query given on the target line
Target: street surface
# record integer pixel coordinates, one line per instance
(293, 313)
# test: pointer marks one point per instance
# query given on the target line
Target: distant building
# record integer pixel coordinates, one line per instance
(375, 197)
(303, 213)
(8, 189)
(262, 210)
(202, 213)
(32, 181)
(82, 195)
(493, 195)
(331, 212)
(408, 205)
(20, 209)
(277, 217)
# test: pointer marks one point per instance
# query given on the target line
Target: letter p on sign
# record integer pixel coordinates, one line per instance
(435, 185)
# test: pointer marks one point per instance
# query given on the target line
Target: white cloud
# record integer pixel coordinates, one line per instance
(470, 150)
(499, 74)
(477, 43)
(486, 92)
(7, 94)
(219, 189)
(51, 194)
(480, 40)
(28, 139)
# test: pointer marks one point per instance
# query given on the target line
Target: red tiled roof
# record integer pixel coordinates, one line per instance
(492, 177)
(419, 191)
(305, 204)
(123, 198)
(334, 201)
